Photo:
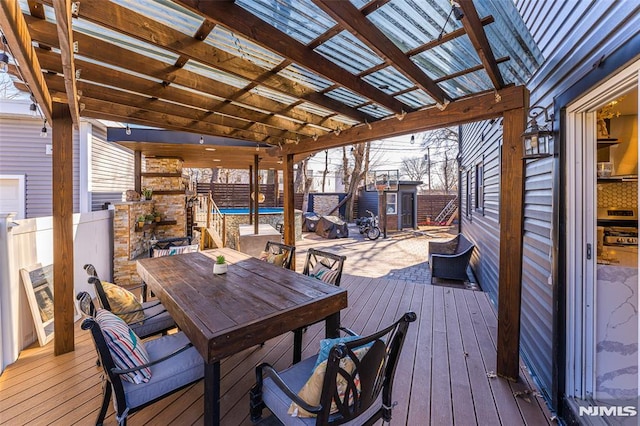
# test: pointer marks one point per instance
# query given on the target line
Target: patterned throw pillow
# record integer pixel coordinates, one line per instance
(183, 249)
(327, 344)
(312, 390)
(127, 350)
(160, 252)
(276, 259)
(122, 300)
(324, 273)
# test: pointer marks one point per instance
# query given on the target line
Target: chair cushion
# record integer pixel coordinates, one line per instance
(177, 371)
(156, 319)
(327, 344)
(126, 348)
(160, 252)
(122, 300)
(312, 389)
(324, 273)
(276, 259)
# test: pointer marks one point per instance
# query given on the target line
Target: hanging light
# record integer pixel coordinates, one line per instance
(536, 139)
(127, 130)
(43, 131)
(413, 140)
(33, 109)
(4, 58)
(201, 140)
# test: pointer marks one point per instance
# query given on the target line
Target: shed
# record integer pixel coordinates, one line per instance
(401, 205)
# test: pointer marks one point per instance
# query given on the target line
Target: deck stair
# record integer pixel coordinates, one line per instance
(448, 212)
(211, 220)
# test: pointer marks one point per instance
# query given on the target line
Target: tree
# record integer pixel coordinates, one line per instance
(442, 150)
(414, 168)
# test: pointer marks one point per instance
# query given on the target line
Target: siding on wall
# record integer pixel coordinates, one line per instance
(572, 36)
(112, 170)
(22, 151)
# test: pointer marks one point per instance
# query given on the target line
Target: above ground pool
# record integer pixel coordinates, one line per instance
(245, 210)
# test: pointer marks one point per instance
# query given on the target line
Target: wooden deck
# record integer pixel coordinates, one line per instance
(445, 375)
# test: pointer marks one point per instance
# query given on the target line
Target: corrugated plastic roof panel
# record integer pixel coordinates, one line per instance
(237, 45)
(303, 76)
(389, 80)
(303, 21)
(165, 12)
(215, 74)
(375, 111)
(350, 53)
(346, 96)
(416, 99)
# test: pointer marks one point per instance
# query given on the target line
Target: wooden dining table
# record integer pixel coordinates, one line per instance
(224, 314)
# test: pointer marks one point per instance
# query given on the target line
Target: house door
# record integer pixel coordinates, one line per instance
(407, 209)
(602, 271)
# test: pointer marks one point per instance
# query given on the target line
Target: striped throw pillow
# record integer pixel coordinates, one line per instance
(323, 273)
(127, 350)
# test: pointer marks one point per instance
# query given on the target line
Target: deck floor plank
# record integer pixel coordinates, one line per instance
(441, 378)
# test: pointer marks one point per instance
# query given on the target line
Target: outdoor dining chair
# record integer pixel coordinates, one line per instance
(350, 382)
(146, 318)
(136, 373)
(278, 253)
(92, 272)
(324, 266)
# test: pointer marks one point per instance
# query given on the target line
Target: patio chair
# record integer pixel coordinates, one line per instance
(146, 320)
(353, 386)
(278, 253)
(171, 361)
(164, 247)
(92, 272)
(449, 259)
(324, 266)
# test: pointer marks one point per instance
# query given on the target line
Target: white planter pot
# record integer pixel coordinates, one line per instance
(220, 268)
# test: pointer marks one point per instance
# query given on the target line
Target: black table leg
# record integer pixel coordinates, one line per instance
(297, 345)
(332, 326)
(212, 394)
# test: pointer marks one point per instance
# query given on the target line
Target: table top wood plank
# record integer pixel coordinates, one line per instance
(252, 302)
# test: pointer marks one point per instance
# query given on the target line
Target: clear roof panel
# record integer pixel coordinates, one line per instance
(214, 74)
(314, 109)
(346, 97)
(303, 21)
(237, 45)
(166, 12)
(448, 58)
(376, 111)
(273, 95)
(412, 23)
(467, 84)
(389, 80)
(303, 76)
(350, 53)
(416, 99)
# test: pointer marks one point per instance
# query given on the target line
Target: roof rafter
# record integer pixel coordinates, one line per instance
(15, 30)
(473, 108)
(125, 81)
(351, 18)
(107, 53)
(238, 19)
(65, 35)
(473, 26)
(133, 24)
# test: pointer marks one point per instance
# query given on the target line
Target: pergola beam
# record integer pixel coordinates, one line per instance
(240, 20)
(65, 35)
(353, 20)
(17, 34)
(473, 26)
(474, 108)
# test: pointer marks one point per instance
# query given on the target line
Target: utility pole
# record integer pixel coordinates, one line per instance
(429, 169)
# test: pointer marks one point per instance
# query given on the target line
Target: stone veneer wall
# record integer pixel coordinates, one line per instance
(130, 244)
(323, 204)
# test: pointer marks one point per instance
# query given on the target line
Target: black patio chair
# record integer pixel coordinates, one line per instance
(156, 318)
(174, 363)
(92, 272)
(355, 404)
(276, 248)
(324, 265)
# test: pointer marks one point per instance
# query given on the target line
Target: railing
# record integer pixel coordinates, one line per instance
(447, 211)
(215, 219)
(208, 216)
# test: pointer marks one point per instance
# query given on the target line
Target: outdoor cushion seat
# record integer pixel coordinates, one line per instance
(278, 253)
(367, 384)
(449, 259)
(184, 368)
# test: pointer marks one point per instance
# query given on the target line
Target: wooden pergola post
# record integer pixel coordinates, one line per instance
(289, 205)
(511, 235)
(251, 189)
(62, 194)
(256, 194)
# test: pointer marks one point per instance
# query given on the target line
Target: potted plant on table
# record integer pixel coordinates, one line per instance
(220, 267)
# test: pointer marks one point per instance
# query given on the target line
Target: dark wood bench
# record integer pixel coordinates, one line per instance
(449, 259)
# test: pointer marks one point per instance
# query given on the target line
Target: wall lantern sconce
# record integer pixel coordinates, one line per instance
(536, 140)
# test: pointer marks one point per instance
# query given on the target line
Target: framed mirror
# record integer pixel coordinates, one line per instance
(38, 285)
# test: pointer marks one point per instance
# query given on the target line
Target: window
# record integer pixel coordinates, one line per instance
(392, 203)
(479, 194)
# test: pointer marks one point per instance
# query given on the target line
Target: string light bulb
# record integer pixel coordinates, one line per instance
(33, 110)
(43, 131)
(127, 130)
(4, 58)
(413, 140)
(201, 140)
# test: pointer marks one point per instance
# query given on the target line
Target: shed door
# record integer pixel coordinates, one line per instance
(407, 210)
